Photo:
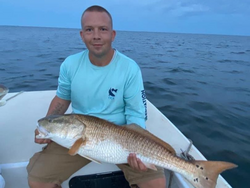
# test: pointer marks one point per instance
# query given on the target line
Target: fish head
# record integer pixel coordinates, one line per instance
(60, 126)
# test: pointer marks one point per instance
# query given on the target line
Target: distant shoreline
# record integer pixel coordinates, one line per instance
(214, 34)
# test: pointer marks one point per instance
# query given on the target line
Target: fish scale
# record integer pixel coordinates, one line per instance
(118, 145)
(150, 153)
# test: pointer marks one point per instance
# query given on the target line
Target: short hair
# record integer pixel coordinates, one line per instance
(96, 8)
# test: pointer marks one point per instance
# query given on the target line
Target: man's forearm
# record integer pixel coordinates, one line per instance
(58, 106)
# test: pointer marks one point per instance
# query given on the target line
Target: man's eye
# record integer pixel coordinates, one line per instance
(88, 29)
(103, 29)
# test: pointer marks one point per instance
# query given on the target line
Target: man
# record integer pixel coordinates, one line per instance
(101, 82)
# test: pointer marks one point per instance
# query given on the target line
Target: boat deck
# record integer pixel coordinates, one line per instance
(19, 175)
(18, 120)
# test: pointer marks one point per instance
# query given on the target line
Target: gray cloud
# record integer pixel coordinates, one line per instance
(194, 7)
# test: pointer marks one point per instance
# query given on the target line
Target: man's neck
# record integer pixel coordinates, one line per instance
(102, 61)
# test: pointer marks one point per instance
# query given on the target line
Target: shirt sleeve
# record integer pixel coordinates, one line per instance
(135, 100)
(64, 83)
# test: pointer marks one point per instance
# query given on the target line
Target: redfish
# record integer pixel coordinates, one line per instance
(101, 141)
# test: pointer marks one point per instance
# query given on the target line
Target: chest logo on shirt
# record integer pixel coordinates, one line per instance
(112, 93)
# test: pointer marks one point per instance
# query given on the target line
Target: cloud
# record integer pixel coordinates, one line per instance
(194, 7)
(228, 6)
(173, 8)
(188, 10)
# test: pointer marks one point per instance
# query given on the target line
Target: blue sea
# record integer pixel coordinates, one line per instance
(200, 82)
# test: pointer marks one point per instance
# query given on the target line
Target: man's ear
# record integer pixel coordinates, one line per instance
(81, 34)
(113, 35)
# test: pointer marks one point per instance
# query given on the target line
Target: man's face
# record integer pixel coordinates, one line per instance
(97, 33)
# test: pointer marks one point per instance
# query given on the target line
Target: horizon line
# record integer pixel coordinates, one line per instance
(170, 32)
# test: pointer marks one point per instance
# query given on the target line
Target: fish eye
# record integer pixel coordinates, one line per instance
(50, 120)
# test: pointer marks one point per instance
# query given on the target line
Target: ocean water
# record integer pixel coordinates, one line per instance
(200, 82)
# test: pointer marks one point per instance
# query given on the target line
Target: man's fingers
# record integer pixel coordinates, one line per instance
(132, 161)
(136, 163)
(141, 165)
(41, 141)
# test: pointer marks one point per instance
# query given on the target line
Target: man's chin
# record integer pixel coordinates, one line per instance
(96, 54)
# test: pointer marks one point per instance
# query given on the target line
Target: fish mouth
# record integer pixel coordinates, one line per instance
(43, 133)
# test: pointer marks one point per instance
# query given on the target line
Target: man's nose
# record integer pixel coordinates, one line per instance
(96, 34)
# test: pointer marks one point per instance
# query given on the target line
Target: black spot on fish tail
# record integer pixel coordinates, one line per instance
(208, 172)
(196, 180)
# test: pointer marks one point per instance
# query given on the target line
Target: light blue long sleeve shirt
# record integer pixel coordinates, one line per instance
(113, 92)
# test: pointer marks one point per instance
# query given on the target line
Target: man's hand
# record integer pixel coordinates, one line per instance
(41, 141)
(136, 163)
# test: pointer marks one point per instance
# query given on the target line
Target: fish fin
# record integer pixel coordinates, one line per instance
(208, 172)
(75, 147)
(146, 133)
(91, 159)
(150, 166)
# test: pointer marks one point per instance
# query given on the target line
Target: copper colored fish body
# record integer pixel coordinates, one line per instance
(101, 141)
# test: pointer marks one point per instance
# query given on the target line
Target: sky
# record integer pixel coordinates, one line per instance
(226, 17)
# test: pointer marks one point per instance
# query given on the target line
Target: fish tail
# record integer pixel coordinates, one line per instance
(208, 172)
